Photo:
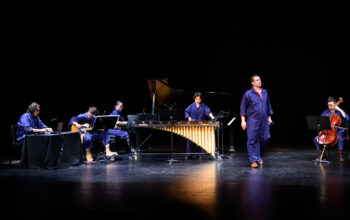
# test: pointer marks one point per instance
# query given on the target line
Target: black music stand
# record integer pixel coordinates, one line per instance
(232, 149)
(222, 155)
(319, 123)
(171, 160)
(105, 122)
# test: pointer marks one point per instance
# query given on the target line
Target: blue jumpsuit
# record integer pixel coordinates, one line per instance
(257, 110)
(88, 138)
(196, 114)
(26, 124)
(117, 131)
(340, 131)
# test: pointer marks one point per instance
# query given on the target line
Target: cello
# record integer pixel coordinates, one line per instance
(329, 138)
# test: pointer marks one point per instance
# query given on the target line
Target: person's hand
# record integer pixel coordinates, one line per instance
(270, 121)
(189, 119)
(49, 130)
(244, 125)
(77, 125)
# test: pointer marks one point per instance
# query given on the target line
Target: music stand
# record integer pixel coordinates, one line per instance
(222, 155)
(319, 123)
(171, 117)
(232, 147)
(105, 122)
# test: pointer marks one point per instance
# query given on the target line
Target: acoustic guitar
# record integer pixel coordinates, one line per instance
(83, 129)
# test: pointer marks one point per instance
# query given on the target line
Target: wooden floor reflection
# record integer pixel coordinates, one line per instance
(198, 188)
(288, 186)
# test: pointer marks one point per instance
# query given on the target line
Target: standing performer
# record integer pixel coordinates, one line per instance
(123, 135)
(333, 107)
(197, 111)
(30, 122)
(257, 107)
(101, 136)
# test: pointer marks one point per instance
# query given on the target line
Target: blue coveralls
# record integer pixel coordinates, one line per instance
(117, 131)
(196, 114)
(340, 131)
(257, 110)
(26, 124)
(101, 136)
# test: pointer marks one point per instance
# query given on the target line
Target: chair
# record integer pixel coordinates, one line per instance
(14, 141)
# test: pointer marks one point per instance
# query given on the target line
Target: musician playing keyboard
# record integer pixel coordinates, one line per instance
(101, 136)
(30, 122)
(197, 111)
(118, 132)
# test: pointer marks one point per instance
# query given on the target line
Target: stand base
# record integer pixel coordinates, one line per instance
(134, 156)
(223, 156)
(232, 149)
(317, 161)
(171, 161)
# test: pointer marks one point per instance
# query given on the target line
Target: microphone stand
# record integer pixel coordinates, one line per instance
(171, 160)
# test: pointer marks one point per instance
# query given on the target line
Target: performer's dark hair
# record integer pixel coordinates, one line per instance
(198, 94)
(33, 107)
(93, 110)
(252, 77)
(331, 99)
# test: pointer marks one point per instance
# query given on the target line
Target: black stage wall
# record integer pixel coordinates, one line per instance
(70, 56)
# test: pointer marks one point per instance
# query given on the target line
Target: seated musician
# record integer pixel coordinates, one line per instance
(30, 122)
(197, 111)
(118, 132)
(88, 138)
(333, 107)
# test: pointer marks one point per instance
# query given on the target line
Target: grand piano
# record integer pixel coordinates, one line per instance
(167, 114)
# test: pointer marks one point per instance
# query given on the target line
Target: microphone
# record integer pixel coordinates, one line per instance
(143, 111)
(104, 112)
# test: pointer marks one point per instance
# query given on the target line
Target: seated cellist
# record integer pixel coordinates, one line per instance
(333, 107)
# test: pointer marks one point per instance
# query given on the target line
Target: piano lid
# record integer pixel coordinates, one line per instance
(165, 95)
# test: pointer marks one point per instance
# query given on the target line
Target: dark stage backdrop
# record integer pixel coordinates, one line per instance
(70, 56)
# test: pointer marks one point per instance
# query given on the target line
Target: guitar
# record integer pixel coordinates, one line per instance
(83, 129)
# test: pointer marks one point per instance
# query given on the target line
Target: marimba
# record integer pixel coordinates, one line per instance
(202, 133)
